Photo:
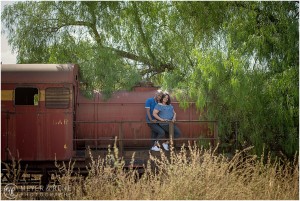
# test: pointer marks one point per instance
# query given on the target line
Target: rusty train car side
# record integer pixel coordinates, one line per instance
(37, 107)
(45, 118)
(99, 121)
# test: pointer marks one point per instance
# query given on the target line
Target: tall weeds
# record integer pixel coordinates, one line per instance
(191, 173)
(13, 171)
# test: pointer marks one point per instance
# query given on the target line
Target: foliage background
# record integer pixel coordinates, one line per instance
(239, 61)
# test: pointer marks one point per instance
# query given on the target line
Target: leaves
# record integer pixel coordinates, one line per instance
(237, 60)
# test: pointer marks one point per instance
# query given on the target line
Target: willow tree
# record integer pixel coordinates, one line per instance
(248, 75)
(237, 60)
(126, 37)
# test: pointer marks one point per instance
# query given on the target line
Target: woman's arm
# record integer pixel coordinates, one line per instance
(155, 114)
(174, 116)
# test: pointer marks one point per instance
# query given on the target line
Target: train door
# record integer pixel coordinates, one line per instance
(4, 134)
(7, 121)
(59, 118)
(7, 133)
(26, 122)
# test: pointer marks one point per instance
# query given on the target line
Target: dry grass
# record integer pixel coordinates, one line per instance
(192, 173)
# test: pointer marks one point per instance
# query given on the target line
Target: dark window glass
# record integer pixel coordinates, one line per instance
(57, 97)
(26, 96)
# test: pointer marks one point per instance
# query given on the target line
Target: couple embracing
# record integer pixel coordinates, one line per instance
(159, 108)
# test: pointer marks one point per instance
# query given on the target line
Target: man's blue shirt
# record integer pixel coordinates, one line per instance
(150, 103)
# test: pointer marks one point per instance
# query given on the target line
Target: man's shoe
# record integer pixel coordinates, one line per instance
(166, 146)
(155, 148)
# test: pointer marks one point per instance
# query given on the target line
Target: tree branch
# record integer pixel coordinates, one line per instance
(139, 26)
(155, 67)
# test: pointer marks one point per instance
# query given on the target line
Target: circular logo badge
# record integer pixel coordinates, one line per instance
(9, 191)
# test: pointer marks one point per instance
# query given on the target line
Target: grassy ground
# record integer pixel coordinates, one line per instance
(193, 173)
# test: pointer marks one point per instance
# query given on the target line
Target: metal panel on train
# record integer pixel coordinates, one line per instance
(98, 120)
(37, 111)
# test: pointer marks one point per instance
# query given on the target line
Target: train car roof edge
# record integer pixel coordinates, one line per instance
(36, 67)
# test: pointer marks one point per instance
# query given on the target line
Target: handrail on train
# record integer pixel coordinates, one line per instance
(171, 130)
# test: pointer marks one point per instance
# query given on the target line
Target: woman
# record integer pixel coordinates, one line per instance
(164, 111)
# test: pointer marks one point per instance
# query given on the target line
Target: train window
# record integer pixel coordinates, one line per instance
(26, 96)
(57, 97)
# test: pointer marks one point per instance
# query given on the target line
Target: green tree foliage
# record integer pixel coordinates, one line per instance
(249, 74)
(237, 60)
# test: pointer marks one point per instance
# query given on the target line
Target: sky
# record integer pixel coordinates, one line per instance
(7, 57)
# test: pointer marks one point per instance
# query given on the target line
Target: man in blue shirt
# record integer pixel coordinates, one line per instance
(156, 131)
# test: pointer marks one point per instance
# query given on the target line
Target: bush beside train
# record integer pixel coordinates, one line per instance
(44, 117)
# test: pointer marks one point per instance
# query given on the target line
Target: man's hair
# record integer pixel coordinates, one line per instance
(159, 92)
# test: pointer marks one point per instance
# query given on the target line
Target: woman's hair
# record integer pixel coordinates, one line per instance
(169, 99)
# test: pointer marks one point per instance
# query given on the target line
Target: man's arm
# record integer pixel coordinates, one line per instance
(149, 115)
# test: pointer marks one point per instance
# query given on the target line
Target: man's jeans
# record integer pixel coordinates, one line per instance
(156, 132)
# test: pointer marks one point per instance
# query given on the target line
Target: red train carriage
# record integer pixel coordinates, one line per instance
(45, 118)
(37, 109)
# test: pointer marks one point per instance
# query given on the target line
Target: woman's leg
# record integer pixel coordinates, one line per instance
(177, 132)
